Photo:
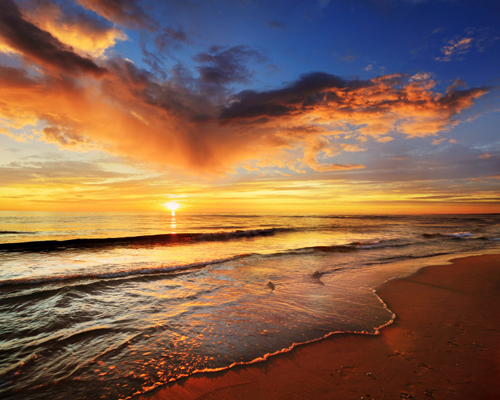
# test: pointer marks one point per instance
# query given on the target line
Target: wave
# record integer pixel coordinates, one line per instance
(241, 234)
(353, 246)
(139, 241)
(142, 270)
(115, 274)
(454, 235)
(360, 216)
(391, 259)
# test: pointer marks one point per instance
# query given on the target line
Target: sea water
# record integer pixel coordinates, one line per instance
(115, 304)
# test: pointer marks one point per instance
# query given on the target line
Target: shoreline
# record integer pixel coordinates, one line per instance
(441, 344)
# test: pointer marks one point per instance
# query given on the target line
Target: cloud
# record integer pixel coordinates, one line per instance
(278, 25)
(170, 38)
(373, 108)
(158, 58)
(369, 67)
(478, 39)
(438, 141)
(455, 47)
(194, 122)
(124, 12)
(422, 76)
(309, 90)
(87, 36)
(221, 65)
(54, 171)
(316, 149)
(66, 138)
(348, 57)
(353, 148)
(41, 46)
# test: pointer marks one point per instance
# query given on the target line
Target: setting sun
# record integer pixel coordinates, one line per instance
(172, 206)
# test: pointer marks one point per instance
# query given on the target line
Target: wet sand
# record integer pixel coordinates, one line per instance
(444, 344)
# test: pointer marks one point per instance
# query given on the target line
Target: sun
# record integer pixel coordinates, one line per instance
(172, 206)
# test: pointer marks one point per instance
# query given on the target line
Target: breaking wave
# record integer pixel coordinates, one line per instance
(452, 235)
(163, 269)
(139, 241)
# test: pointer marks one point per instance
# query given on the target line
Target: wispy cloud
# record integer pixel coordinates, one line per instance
(455, 47)
(124, 12)
(221, 65)
(278, 25)
(478, 39)
(347, 57)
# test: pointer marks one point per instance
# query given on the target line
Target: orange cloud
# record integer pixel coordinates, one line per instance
(193, 122)
(373, 108)
(438, 141)
(455, 46)
(85, 35)
(130, 113)
(24, 37)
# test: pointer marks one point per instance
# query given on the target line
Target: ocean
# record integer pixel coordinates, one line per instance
(111, 305)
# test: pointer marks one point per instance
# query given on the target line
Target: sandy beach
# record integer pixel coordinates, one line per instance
(444, 344)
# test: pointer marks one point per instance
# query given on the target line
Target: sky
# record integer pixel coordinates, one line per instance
(316, 106)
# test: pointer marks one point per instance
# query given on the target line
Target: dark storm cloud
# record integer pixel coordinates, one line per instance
(39, 45)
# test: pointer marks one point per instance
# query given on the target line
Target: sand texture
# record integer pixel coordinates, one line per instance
(444, 344)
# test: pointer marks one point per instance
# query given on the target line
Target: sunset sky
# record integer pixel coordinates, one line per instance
(335, 106)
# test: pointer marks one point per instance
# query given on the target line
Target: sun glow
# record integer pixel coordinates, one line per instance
(172, 206)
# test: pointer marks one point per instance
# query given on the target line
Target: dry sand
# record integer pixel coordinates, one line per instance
(444, 344)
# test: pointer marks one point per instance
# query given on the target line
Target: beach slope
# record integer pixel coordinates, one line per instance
(444, 344)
